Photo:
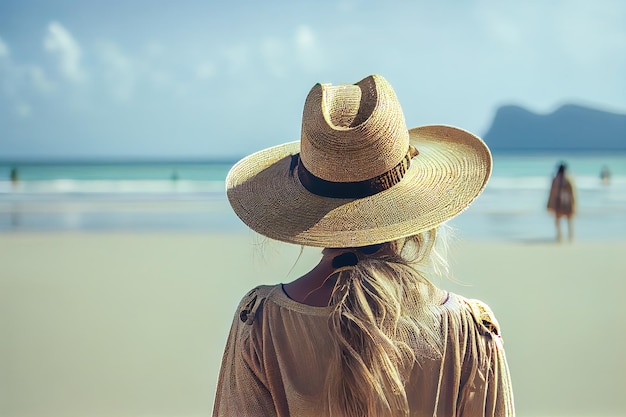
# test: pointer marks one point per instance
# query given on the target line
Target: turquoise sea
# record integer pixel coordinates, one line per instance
(189, 196)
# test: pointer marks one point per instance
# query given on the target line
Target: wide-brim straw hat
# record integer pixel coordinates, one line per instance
(358, 176)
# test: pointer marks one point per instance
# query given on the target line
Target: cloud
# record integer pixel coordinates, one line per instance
(206, 70)
(281, 56)
(18, 80)
(308, 51)
(275, 54)
(305, 39)
(4, 49)
(155, 49)
(130, 76)
(60, 42)
(118, 70)
(347, 6)
(39, 80)
(238, 58)
(23, 110)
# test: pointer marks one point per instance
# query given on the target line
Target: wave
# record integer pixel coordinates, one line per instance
(217, 186)
(543, 183)
(111, 187)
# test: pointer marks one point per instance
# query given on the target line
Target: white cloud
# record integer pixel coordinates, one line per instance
(346, 6)
(238, 58)
(119, 71)
(39, 80)
(308, 51)
(155, 50)
(275, 55)
(503, 30)
(4, 49)
(206, 70)
(304, 38)
(128, 75)
(17, 79)
(23, 110)
(59, 41)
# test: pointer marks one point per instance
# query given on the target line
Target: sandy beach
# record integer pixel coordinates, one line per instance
(121, 324)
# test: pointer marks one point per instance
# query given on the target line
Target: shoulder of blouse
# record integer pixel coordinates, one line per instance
(252, 301)
(484, 317)
(270, 296)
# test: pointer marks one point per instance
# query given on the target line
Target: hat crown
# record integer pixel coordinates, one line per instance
(353, 132)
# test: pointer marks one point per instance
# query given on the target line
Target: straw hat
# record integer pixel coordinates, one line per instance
(357, 176)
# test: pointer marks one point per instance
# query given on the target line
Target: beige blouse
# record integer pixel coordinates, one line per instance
(275, 362)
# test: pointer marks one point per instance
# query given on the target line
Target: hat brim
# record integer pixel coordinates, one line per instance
(451, 170)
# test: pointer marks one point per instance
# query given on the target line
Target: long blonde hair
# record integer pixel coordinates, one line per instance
(379, 321)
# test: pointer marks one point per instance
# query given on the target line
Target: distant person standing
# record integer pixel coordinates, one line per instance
(605, 175)
(562, 201)
(14, 176)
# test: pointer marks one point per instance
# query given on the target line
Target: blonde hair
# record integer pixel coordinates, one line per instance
(379, 321)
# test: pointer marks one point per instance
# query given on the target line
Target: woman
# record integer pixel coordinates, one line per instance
(562, 201)
(364, 333)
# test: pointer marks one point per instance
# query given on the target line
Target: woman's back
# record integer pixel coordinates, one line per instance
(285, 362)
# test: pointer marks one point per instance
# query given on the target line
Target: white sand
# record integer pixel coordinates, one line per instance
(134, 324)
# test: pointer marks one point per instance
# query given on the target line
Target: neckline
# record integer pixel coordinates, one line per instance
(280, 297)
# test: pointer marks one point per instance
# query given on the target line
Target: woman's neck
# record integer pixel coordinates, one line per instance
(315, 288)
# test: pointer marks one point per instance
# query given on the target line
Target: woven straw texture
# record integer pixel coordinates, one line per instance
(342, 128)
(451, 170)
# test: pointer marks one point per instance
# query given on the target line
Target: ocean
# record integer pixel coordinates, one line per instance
(189, 197)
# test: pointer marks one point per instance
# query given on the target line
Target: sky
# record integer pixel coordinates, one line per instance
(192, 79)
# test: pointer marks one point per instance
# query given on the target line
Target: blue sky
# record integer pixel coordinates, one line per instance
(200, 79)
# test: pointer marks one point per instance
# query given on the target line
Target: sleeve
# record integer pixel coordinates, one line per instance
(491, 387)
(242, 388)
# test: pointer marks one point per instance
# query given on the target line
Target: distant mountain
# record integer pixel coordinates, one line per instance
(569, 128)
